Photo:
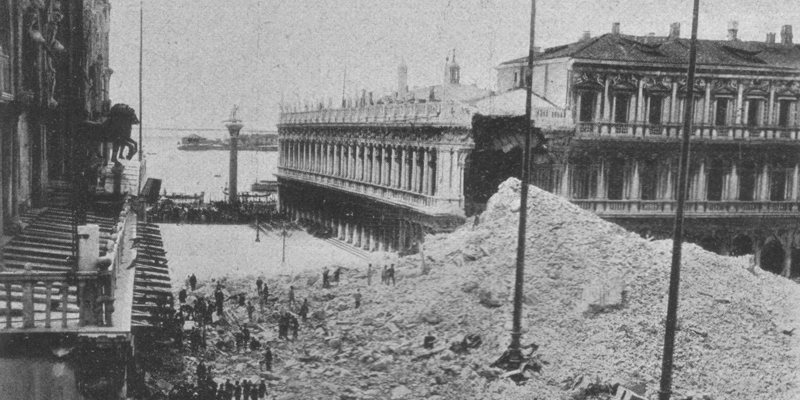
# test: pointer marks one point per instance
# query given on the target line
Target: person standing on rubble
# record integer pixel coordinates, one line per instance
(245, 337)
(291, 296)
(259, 283)
(336, 273)
(193, 282)
(304, 310)
(357, 297)
(201, 372)
(250, 310)
(265, 295)
(268, 359)
(384, 274)
(391, 275)
(182, 295)
(262, 389)
(369, 274)
(237, 391)
(325, 283)
(295, 326)
(220, 298)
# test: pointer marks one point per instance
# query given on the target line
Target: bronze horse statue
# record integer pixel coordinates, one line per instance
(116, 129)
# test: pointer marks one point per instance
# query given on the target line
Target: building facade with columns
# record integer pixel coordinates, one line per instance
(626, 96)
(380, 172)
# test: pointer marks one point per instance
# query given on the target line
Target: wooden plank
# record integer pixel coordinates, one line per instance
(8, 305)
(47, 306)
(64, 298)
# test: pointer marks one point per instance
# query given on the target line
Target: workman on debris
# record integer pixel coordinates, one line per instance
(220, 298)
(336, 274)
(384, 274)
(304, 310)
(357, 297)
(295, 326)
(193, 282)
(291, 296)
(182, 295)
(391, 275)
(268, 359)
(325, 283)
(237, 391)
(265, 295)
(262, 389)
(250, 310)
(259, 283)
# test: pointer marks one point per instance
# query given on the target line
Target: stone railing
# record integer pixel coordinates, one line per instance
(674, 131)
(6, 92)
(95, 290)
(435, 113)
(421, 202)
(706, 208)
(30, 287)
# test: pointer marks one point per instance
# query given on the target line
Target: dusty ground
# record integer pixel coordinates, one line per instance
(215, 251)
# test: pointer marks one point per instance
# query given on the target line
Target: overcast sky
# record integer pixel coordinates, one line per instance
(203, 56)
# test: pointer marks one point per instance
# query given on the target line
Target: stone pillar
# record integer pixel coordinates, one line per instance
(385, 166)
(707, 110)
(373, 238)
(770, 120)
(362, 163)
(795, 176)
(607, 100)
(426, 173)
(415, 169)
(673, 105)
(740, 104)
(375, 166)
(601, 179)
(356, 235)
(786, 241)
(233, 129)
(565, 182)
(701, 181)
(763, 181)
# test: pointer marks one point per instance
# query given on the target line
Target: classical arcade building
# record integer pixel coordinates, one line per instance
(626, 95)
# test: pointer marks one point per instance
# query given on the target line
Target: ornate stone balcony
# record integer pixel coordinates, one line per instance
(432, 205)
(673, 132)
(653, 208)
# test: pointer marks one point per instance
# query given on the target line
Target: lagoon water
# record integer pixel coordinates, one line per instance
(203, 171)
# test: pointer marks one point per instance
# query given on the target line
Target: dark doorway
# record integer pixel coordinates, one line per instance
(654, 116)
(777, 184)
(721, 115)
(616, 178)
(621, 109)
(747, 182)
(587, 106)
(772, 257)
(648, 176)
(715, 178)
(741, 245)
(710, 243)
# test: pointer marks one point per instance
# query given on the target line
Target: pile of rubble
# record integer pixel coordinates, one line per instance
(595, 301)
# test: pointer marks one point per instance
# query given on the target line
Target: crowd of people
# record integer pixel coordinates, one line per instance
(286, 314)
(218, 212)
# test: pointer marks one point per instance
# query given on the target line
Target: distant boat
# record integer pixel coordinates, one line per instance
(217, 175)
(198, 143)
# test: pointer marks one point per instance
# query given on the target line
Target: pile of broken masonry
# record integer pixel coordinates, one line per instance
(732, 340)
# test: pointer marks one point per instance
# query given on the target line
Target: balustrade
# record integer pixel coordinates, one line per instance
(380, 192)
(666, 207)
(674, 131)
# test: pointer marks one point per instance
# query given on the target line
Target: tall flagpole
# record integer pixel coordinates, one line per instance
(141, 47)
(665, 390)
(513, 359)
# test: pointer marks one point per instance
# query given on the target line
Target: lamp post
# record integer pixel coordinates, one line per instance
(234, 125)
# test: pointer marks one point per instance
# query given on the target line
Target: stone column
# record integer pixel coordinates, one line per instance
(397, 162)
(607, 102)
(373, 238)
(701, 181)
(733, 183)
(426, 174)
(707, 110)
(601, 180)
(795, 176)
(763, 183)
(673, 105)
(415, 169)
(386, 169)
(375, 166)
(740, 104)
(565, 182)
(769, 121)
(234, 126)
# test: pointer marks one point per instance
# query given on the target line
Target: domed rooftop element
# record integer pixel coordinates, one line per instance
(452, 72)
